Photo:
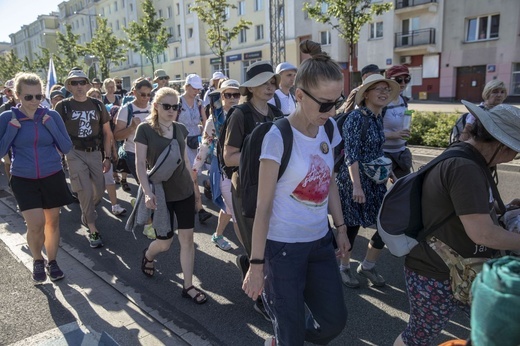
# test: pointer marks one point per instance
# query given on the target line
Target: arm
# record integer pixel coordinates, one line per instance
(481, 230)
(401, 134)
(208, 137)
(231, 156)
(140, 167)
(8, 131)
(107, 146)
(358, 195)
(58, 132)
(267, 179)
(121, 131)
(337, 217)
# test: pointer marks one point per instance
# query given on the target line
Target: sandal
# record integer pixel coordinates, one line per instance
(195, 298)
(148, 271)
(125, 186)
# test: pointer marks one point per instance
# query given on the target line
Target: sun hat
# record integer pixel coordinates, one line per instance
(502, 122)
(372, 68)
(285, 66)
(158, 74)
(57, 93)
(217, 75)
(194, 80)
(398, 70)
(257, 74)
(374, 79)
(226, 85)
(76, 74)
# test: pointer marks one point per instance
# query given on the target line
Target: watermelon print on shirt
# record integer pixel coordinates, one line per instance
(314, 188)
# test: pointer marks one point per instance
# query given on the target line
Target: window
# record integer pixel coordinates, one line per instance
(259, 29)
(227, 13)
(170, 11)
(483, 28)
(190, 32)
(376, 30)
(117, 24)
(179, 30)
(115, 6)
(178, 7)
(241, 8)
(177, 52)
(515, 81)
(123, 3)
(324, 7)
(242, 37)
(159, 14)
(124, 22)
(131, 7)
(325, 37)
(259, 5)
(170, 30)
(82, 22)
(188, 8)
(218, 67)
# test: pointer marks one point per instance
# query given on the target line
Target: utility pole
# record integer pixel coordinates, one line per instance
(277, 30)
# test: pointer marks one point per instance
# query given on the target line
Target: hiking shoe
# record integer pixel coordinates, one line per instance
(203, 215)
(149, 231)
(259, 307)
(53, 271)
(372, 275)
(95, 240)
(221, 242)
(39, 275)
(118, 210)
(348, 278)
(243, 265)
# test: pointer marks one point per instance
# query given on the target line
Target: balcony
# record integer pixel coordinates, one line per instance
(411, 3)
(414, 38)
(415, 7)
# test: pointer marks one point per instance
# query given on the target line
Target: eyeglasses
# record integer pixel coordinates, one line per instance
(78, 82)
(164, 78)
(167, 106)
(30, 97)
(145, 95)
(232, 95)
(326, 106)
(400, 79)
(382, 90)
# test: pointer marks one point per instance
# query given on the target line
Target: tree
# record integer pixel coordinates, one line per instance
(10, 65)
(347, 17)
(149, 38)
(218, 36)
(70, 49)
(106, 47)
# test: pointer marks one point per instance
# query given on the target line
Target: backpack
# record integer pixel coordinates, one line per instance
(458, 128)
(278, 102)
(120, 144)
(399, 221)
(339, 150)
(250, 159)
(249, 126)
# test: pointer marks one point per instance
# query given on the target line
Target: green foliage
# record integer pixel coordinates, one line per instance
(432, 128)
(218, 36)
(149, 38)
(69, 49)
(10, 65)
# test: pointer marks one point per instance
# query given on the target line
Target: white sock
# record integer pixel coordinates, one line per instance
(367, 265)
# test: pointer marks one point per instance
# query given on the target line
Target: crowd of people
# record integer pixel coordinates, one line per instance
(98, 134)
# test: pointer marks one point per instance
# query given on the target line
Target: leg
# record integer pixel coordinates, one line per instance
(223, 220)
(368, 266)
(112, 194)
(52, 232)
(187, 255)
(81, 184)
(35, 220)
(348, 276)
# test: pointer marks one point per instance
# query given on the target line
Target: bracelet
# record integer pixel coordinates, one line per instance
(338, 226)
(257, 261)
(108, 158)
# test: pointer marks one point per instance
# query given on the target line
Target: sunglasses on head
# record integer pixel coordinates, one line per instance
(167, 106)
(401, 79)
(232, 95)
(145, 95)
(78, 82)
(30, 97)
(326, 106)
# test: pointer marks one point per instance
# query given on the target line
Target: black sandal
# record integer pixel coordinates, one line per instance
(196, 297)
(147, 270)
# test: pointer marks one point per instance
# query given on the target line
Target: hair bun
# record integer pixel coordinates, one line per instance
(314, 50)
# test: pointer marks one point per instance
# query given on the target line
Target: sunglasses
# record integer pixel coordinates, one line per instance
(145, 95)
(164, 78)
(78, 82)
(30, 97)
(326, 106)
(400, 79)
(167, 106)
(232, 95)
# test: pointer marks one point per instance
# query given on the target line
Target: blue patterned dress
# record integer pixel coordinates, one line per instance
(359, 149)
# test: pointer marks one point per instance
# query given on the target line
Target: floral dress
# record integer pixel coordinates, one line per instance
(359, 149)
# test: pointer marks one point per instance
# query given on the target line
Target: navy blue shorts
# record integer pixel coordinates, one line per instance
(45, 193)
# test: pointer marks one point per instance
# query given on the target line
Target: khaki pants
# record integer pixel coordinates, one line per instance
(86, 179)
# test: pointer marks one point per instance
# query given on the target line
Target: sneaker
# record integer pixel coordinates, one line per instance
(95, 240)
(221, 242)
(348, 278)
(372, 275)
(39, 271)
(125, 186)
(53, 271)
(271, 341)
(149, 231)
(118, 210)
(203, 215)
(243, 265)
(259, 307)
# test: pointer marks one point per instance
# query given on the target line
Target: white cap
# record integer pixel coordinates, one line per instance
(194, 80)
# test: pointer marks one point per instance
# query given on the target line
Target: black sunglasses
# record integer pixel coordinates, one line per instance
(145, 95)
(232, 95)
(167, 106)
(164, 78)
(30, 97)
(78, 82)
(326, 106)
(400, 79)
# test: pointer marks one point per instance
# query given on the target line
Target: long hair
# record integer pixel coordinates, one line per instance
(154, 115)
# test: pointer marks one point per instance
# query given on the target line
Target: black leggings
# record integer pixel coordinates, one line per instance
(376, 240)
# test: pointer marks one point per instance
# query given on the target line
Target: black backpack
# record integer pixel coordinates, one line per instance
(458, 128)
(339, 150)
(249, 126)
(250, 159)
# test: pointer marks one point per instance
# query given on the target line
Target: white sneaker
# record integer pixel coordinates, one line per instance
(118, 210)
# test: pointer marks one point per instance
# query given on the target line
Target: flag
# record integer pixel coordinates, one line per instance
(51, 78)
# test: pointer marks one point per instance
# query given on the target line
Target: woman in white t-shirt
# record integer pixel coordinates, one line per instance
(292, 243)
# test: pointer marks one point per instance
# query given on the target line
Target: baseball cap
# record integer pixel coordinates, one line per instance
(194, 80)
(218, 75)
(285, 66)
(372, 68)
(398, 70)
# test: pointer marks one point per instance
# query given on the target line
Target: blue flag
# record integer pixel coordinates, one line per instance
(51, 78)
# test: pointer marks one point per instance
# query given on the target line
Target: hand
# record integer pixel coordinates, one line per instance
(135, 122)
(404, 134)
(150, 201)
(254, 281)
(106, 165)
(358, 195)
(15, 123)
(342, 242)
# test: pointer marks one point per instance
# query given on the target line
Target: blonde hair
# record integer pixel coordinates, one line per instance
(106, 81)
(27, 79)
(492, 85)
(154, 115)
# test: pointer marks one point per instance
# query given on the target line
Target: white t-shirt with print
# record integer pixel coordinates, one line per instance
(301, 197)
(122, 115)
